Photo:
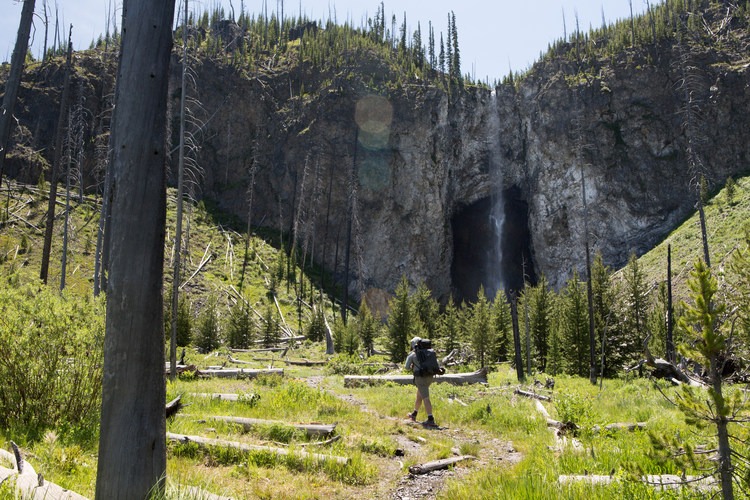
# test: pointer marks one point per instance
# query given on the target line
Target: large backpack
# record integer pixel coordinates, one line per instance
(427, 360)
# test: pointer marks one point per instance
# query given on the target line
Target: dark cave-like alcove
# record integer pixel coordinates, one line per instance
(476, 261)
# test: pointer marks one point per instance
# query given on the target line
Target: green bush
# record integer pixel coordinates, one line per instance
(51, 355)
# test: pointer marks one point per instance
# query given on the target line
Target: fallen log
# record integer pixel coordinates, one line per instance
(439, 464)
(304, 362)
(180, 368)
(218, 396)
(29, 484)
(267, 349)
(532, 395)
(310, 429)
(205, 442)
(661, 482)
(624, 426)
(174, 406)
(477, 377)
(239, 372)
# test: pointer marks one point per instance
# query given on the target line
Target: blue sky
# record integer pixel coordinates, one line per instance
(494, 35)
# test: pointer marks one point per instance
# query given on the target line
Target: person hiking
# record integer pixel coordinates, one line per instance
(424, 375)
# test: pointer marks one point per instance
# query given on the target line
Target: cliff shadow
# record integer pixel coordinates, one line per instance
(484, 255)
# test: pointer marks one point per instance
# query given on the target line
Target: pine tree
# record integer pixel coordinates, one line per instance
(240, 327)
(706, 326)
(208, 327)
(271, 329)
(456, 62)
(606, 324)
(540, 311)
(367, 328)
(400, 322)
(450, 326)
(503, 325)
(635, 311)
(426, 310)
(482, 331)
(574, 334)
(317, 328)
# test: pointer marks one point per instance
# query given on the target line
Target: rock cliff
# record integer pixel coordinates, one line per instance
(391, 179)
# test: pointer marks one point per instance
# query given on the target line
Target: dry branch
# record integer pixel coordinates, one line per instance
(205, 260)
(312, 429)
(477, 377)
(204, 442)
(439, 464)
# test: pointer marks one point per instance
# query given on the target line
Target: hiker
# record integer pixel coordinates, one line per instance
(421, 380)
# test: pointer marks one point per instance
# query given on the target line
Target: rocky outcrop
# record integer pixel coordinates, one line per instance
(391, 179)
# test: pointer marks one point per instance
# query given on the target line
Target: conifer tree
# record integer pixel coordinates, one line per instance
(271, 329)
(635, 312)
(208, 327)
(426, 309)
(482, 331)
(503, 325)
(240, 326)
(540, 311)
(450, 326)
(367, 328)
(710, 344)
(574, 334)
(606, 324)
(400, 322)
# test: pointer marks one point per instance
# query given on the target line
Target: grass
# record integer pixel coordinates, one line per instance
(727, 221)
(370, 419)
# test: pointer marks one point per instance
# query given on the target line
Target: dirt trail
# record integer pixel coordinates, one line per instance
(399, 484)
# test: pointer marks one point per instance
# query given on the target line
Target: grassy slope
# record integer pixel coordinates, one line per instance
(727, 224)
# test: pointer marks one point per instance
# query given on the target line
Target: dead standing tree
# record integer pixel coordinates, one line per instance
(132, 447)
(14, 79)
(61, 119)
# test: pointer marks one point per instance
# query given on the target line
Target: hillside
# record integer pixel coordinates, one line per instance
(728, 224)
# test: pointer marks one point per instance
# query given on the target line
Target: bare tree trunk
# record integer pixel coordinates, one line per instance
(49, 228)
(132, 446)
(722, 432)
(14, 79)
(516, 337)
(180, 195)
(64, 258)
(670, 320)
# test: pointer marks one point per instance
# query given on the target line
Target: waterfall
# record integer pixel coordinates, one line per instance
(494, 279)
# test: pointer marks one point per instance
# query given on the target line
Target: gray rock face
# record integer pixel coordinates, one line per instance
(393, 180)
(422, 158)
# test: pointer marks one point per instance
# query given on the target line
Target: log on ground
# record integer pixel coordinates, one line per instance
(532, 395)
(477, 377)
(33, 486)
(239, 372)
(312, 429)
(221, 443)
(661, 482)
(439, 464)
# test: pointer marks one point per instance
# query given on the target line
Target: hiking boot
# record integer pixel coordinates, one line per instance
(430, 422)
(412, 416)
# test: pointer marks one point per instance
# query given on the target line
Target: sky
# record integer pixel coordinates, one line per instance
(495, 36)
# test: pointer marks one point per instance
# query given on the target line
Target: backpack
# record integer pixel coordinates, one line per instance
(427, 360)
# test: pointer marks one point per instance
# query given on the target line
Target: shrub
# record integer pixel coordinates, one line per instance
(51, 355)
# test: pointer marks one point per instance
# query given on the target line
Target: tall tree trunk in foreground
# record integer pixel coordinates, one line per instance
(14, 79)
(132, 445)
